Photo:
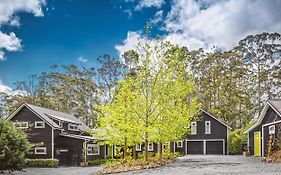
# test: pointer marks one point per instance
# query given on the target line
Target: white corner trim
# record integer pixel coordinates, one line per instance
(53, 144)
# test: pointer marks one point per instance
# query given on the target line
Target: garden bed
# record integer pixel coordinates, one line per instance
(276, 157)
(139, 164)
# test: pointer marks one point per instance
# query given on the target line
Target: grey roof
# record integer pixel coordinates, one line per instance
(276, 104)
(48, 114)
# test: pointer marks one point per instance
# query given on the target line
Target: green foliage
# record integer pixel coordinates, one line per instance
(235, 143)
(14, 146)
(151, 104)
(42, 163)
(97, 162)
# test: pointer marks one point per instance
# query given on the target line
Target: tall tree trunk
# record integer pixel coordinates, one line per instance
(146, 147)
(134, 153)
(125, 148)
(160, 151)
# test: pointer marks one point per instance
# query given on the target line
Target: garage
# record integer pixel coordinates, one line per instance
(211, 146)
(195, 147)
(214, 147)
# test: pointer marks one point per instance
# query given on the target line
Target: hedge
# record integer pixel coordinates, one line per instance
(96, 162)
(43, 163)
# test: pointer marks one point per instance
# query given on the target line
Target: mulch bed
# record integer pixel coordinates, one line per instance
(276, 157)
(135, 165)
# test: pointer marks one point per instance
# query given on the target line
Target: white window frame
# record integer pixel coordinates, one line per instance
(193, 130)
(37, 148)
(180, 144)
(21, 123)
(138, 147)
(207, 127)
(41, 122)
(150, 149)
(90, 148)
(71, 125)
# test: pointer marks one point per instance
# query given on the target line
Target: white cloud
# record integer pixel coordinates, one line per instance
(82, 59)
(158, 17)
(8, 10)
(130, 43)
(221, 23)
(8, 42)
(4, 88)
(149, 3)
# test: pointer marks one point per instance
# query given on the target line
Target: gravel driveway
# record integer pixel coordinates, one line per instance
(214, 165)
(58, 171)
(191, 165)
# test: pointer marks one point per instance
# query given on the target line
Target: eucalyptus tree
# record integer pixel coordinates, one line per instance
(262, 54)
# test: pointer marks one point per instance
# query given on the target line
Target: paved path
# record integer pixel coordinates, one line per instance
(58, 171)
(214, 165)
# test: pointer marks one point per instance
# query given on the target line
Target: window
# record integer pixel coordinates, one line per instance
(271, 129)
(40, 150)
(93, 149)
(207, 127)
(39, 124)
(150, 147)
(138, 147)
(73, 127)
(193, 128)
(60, 124)
(179, 144)
(21, 125)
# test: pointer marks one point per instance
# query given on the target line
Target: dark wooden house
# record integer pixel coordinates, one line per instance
(208, 135)
(268, 123)
(56, 135)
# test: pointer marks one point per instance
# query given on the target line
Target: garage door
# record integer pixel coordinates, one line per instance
(214, 147)
(195, 147)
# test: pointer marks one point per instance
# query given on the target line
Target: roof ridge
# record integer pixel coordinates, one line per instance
(49, 109)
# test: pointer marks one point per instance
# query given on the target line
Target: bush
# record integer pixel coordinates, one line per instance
(96, 162)
(14, 146)
(235, 143)
(43, 163)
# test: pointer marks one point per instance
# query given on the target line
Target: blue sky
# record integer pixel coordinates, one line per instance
(36, 34)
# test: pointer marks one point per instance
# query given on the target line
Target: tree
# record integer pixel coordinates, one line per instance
(222, 87)
(261, 53)
(157, 91)
(14, 146)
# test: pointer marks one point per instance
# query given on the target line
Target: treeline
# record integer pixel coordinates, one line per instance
(232, 85)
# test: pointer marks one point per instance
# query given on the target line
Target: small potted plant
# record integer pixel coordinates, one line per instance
(246, 152)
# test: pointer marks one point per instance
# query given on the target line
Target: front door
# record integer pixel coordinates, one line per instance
(257, 143)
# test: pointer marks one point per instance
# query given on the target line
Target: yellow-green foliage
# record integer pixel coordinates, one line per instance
(152, 104)
(13, 146)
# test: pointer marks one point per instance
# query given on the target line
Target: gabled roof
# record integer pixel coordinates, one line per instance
(48, 114)
(201, 110)
(274, 104)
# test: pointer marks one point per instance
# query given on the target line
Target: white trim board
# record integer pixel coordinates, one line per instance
(20, 108)
(215, 118)
(262, 115)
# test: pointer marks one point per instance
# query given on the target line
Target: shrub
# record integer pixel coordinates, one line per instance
(235, 143)
(96, 162)
(14, 146)
(43, 163)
